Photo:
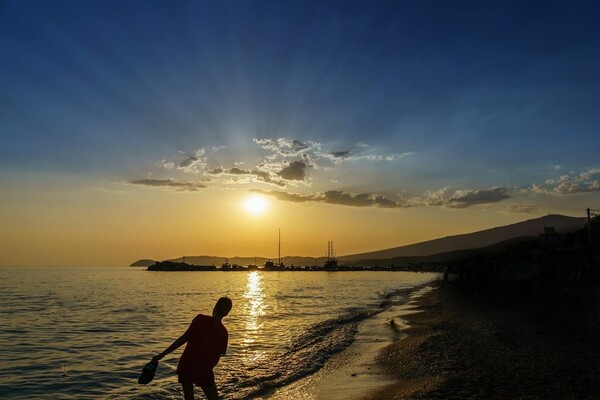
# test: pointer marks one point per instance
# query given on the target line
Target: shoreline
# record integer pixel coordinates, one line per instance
(167, 266)
(461, 348)
(354, 372)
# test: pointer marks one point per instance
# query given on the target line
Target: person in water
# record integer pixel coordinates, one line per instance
(206, 340)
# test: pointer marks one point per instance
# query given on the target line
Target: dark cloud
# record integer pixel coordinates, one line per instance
(298, 146)
(238, 171)
(188, 161)
(192, 164)
(360, 200)
(294, 171)
(339, 198)
(182, 186)
(470, 197)
(340, 154)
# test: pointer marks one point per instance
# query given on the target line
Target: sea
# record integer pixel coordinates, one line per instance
(86, 333)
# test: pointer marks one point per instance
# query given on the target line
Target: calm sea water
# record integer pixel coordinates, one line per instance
(85, 333)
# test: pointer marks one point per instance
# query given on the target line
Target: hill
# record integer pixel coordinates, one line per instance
(474, 240)
(434, 249)
(487, 251)
(143, 263)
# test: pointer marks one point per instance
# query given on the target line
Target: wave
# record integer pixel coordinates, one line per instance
(308, 351)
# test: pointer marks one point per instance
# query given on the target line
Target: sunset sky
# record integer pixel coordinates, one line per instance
(139, 129)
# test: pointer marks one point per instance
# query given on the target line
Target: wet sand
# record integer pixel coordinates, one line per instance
(461, 348)
(354, 372)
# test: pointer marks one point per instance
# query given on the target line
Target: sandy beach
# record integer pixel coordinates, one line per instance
(461, 348)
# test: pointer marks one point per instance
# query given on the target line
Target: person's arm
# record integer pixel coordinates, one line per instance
(174, 346)
(224, 344)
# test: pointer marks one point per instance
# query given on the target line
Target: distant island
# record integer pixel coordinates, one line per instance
(143, 263)
(423, 256)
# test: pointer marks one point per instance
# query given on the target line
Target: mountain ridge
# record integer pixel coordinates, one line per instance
(473, 240)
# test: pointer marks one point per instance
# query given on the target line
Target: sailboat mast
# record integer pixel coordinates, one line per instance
(279, 247)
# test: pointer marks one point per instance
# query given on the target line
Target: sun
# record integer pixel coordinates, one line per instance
(256, 205)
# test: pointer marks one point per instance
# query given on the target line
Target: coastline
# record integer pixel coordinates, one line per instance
(354, 372)
(461, 348)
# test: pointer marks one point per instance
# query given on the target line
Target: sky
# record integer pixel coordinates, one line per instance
(140, 129)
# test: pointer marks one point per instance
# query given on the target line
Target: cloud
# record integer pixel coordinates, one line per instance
(253, 175)
(469, 197)
(273, 173)
(360, 200)
(285, 196)
(238, 171)
(339, 198)
(194, 164)
(266, 177)
(433, 198)
(461, 198)
(313, 155)
(287, 148)
(287, 162)
(286, 152)
(521, 208)
(337, 157)
(380, 157)
(167, 164)
(181, 186)
(294, 171)
(191, 164)
(584, 182)
(340, 154)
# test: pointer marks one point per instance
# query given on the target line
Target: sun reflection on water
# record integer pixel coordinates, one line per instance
(254, 307)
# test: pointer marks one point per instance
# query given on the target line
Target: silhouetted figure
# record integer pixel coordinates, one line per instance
(206, 341)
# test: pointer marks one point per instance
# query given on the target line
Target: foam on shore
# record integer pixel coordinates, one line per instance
(353, 373)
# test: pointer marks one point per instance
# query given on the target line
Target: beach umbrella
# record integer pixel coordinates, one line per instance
(520, 271)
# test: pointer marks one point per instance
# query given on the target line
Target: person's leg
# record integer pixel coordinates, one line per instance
(211, 392)
(188, 390)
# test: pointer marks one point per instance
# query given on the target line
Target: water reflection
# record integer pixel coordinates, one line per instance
(254, 306)
(91, 313)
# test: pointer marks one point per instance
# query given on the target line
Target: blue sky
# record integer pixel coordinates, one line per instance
(420, 102)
